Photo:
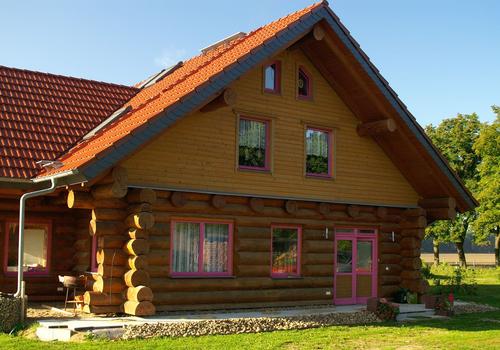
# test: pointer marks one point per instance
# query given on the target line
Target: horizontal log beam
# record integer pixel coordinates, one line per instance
(227, 98)
(141, 195)
(442, 202)
(141, 293)
(135, 278)
(441, 214)
(240, 296)
(377, 127)
(249, 283)
(139, 308)
(102, 299)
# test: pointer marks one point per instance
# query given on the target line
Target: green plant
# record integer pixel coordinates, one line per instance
(412, 298)
(426, 271)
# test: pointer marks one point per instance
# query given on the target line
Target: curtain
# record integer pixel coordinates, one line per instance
(285, 250)
(317, 143)
(35, 247)
(317, 151)
(186, 247)
(252, 143)
(215, 248)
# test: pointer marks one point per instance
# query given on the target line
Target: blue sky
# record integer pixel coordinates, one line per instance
(442, 57)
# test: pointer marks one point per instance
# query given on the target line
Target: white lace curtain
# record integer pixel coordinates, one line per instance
(317, 143)
(215, 248)
(186, 249)
(252, 133)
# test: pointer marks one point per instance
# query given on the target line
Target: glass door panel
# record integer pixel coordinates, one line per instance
(344, 256)
(364, 256)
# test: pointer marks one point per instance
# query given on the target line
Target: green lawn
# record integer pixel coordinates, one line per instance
(473, 331)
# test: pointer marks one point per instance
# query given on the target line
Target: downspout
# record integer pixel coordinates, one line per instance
(20, 257)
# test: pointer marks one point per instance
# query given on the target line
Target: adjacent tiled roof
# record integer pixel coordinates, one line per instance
(187, 79)
(43, 115)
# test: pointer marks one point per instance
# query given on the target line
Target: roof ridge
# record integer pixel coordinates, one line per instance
(68, 77)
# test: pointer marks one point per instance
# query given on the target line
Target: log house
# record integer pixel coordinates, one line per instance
(294, 176)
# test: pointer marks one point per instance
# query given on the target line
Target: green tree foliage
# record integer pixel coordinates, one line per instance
(455, 138)
(488, 194)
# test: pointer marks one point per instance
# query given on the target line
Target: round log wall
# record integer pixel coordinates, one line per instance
(133, 230)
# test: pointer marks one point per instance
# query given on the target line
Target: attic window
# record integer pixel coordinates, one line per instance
(272, 77)
(304, 84)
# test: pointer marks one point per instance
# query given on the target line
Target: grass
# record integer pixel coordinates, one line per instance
(487, 280)
(470, 331)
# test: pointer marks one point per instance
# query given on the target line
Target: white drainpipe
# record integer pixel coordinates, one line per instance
(20, 257)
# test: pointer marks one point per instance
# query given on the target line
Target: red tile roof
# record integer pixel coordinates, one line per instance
(43, 115)
(193, 74)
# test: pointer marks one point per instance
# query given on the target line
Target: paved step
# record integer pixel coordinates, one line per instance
(414, 312)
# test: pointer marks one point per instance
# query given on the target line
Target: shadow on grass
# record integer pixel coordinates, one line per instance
(485, 294)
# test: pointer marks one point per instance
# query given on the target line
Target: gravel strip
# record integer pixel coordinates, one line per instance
(472, 308)
(245, 325)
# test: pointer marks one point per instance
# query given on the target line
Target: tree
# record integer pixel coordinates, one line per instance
(455, 138)
(438, 232)
(488, 219)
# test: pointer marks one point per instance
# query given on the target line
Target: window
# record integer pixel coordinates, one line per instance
(253, 144)
(36, 247)
(272, 77)
(201, 248)
(304, 83)
(318, 152)
(285, 251)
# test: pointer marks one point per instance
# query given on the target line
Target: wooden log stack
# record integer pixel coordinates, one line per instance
(412, 233)
(390, 258)
(107, 223)
(139, 221)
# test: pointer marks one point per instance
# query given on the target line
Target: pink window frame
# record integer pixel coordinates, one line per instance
(267, 162)
(93, 255)
(299, 251)
(277, 78)
(46, 270)
(329, 132)
(309, 86)
(200, 272)
(354, 237)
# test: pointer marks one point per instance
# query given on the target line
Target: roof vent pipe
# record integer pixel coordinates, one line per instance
(223, 42)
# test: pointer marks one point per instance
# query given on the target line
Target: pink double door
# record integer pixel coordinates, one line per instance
(355, 265)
